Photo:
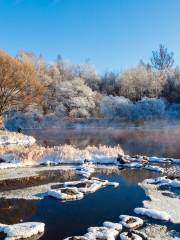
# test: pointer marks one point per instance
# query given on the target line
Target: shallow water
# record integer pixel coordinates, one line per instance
(150, 141)
(63, 219)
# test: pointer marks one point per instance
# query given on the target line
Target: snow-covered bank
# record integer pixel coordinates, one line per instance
(24, 152)
(153, 213)
(160, 200)
(13, 156)
(22, 230)
(165, 181)
(7, 137)
(63, 154)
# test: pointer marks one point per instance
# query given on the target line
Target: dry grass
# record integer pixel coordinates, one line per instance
(36, 152)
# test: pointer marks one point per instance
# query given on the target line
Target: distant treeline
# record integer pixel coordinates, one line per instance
(63, 89)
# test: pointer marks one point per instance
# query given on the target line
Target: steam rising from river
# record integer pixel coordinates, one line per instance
(160, 138)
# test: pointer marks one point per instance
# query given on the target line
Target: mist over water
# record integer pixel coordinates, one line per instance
(159, 138)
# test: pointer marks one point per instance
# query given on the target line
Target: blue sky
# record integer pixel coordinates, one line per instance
(114, 34)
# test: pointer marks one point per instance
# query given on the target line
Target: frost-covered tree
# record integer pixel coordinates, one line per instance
(139, 82)
(171, 89)
(77, 98)
(120, 107)
(148, 108)
(161, 58)
(111, 107)
(108, 83)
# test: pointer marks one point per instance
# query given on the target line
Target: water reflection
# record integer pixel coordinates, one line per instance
(73, 218)
(162, 142)
(14, 210)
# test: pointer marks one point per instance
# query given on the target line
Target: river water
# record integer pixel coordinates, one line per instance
(151, 141)
(64, 219)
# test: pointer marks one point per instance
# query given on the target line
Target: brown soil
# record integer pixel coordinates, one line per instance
(69, 191)
(131, 220)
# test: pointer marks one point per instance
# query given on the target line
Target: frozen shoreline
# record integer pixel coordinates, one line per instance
(162, 200)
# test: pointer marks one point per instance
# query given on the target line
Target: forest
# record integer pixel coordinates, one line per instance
(32, 89)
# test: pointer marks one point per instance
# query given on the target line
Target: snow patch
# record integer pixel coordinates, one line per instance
(101, 233)
(154, 168)
(156, 214)
(131, 222)
(15, 138)
(22, 230)
(129, 236)
(116, 226)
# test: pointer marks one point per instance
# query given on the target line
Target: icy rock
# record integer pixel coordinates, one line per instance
(156, 214)
(131, 222)
(22, 230)
(66, 193)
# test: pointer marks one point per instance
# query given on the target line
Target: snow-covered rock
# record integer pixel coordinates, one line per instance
(132, 165)
(129, 236)
(90, 185)
(103, 159)
(164, 160)
(85, 170)
(67, 193)
(22, 230)
(116, 226)
(156, 214)
(158, 160)
(154, 168)
(101, 233)
(131, 222)
(84, 186)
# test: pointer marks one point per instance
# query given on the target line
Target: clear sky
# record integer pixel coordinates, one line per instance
(114, 34)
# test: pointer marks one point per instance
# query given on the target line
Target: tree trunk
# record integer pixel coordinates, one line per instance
(1, 122)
